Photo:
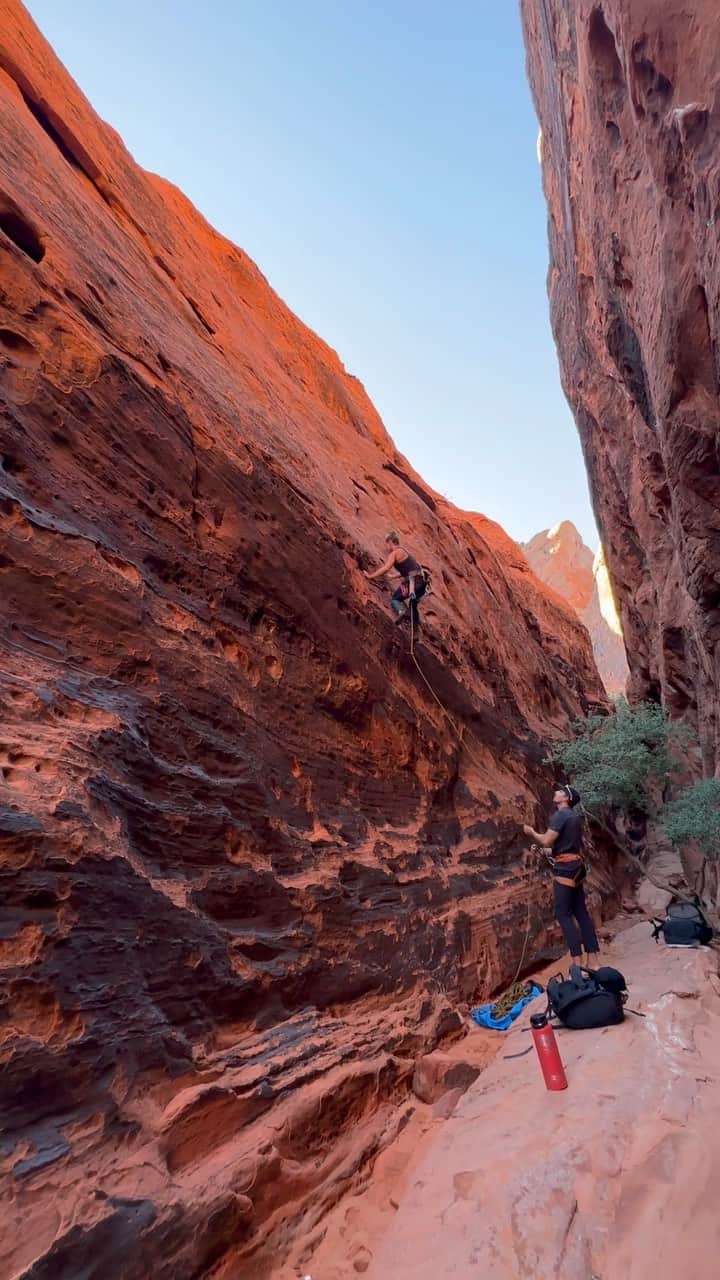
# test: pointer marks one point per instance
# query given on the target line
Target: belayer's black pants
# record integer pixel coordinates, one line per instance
(570, 912)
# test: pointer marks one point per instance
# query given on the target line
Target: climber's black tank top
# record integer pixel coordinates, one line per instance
(408, 565)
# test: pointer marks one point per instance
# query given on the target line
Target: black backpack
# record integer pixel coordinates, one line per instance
(684, 926)
(588, 997)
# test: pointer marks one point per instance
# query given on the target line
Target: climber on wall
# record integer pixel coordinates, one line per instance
(564, 838)
(412, 586)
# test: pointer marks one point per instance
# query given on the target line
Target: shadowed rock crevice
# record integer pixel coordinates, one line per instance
(20, 231)
(637, 328)
(652, 90)
(606, 64)
(623, 345)
(695, 366)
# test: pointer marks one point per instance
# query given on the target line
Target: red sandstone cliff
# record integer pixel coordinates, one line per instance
(561, 559)
(247, 868)
(627, 92)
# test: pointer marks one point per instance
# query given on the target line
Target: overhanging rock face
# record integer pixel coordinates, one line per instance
(247, 865)
(627, 96)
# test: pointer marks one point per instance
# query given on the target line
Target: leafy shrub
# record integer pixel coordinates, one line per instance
(695, 815)
(614, 760)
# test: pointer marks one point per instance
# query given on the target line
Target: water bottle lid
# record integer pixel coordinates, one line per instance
(538, 1020)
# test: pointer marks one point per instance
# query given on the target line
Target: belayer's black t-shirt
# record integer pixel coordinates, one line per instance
(568, 824)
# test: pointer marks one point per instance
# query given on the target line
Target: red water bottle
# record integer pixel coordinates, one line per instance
(548, 1052)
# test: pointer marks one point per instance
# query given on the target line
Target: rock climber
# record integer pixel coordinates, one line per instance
(564, 838)
(412, 586)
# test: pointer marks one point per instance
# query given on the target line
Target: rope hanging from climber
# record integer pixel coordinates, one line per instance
(414, 584)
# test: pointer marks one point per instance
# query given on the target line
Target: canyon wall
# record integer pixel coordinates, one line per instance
(562, 561)
(248, 865)
(627, 96)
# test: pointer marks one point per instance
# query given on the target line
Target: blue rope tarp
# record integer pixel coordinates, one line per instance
(483, 1017)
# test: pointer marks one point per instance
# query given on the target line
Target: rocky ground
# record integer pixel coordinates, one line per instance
(613, 1178)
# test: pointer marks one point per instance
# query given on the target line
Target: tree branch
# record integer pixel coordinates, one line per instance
(634, 860)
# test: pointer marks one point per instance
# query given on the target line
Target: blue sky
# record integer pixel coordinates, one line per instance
(376, 158)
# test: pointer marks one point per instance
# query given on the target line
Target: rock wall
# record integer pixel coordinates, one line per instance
(562, 561)
(627, 96)
(248, 866)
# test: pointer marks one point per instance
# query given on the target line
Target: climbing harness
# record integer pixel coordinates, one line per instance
(567, 868)
(424, 577)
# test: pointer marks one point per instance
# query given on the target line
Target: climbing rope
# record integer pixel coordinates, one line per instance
(463, 743)
(516, 990)
(527, 936)
(511, 989)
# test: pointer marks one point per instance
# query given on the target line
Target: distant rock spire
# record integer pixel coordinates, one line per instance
(562, 560)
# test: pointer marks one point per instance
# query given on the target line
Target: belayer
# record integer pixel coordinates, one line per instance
(413, 585)
(564, 838)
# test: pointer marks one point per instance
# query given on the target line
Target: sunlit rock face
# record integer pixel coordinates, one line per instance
(561, 559)
(250, 867)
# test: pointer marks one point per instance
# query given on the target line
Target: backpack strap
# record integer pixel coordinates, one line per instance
(549, 1011)
(579, 975)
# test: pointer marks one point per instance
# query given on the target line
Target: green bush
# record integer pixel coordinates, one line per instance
(695, 815)
(614, 760)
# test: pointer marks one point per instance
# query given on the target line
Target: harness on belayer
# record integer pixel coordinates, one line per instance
(573, 867)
